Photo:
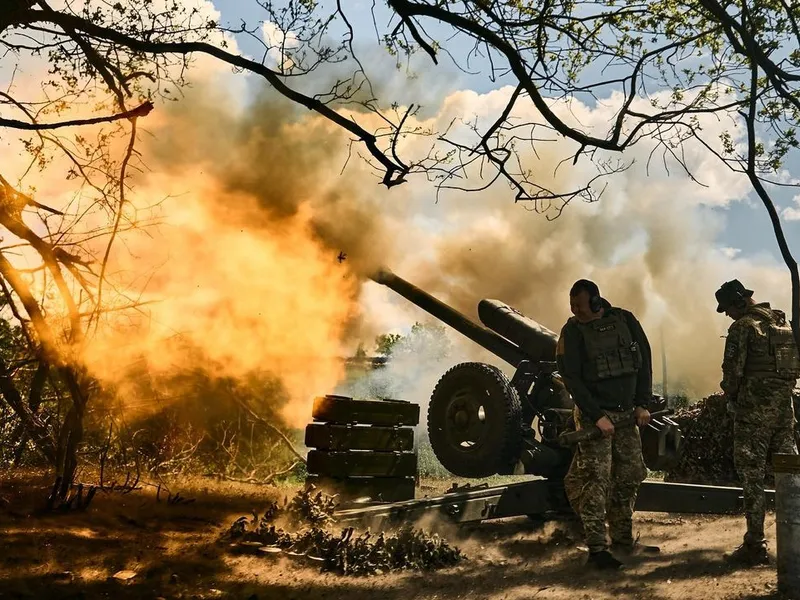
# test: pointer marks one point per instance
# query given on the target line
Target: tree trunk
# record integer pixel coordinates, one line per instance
(758, 186)
(71, 435)
(68, 444)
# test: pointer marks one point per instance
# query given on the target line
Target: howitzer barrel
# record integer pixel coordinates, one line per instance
(493, 342)
(538, 343)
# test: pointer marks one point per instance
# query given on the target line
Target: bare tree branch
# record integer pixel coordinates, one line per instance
(140, 111)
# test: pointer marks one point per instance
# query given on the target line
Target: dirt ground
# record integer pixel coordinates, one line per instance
(176, 551)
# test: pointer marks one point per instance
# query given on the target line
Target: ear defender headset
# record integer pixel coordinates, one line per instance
(595, 300)
(595, 303)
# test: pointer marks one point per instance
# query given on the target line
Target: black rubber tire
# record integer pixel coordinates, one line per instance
(499, 443)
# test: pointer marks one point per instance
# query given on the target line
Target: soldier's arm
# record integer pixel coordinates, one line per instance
(734, 360)
(570, 367)
(644, 377)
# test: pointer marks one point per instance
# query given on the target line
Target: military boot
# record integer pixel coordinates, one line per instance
(749, 554)
(603, 560)
(636, 547)
(629, 545)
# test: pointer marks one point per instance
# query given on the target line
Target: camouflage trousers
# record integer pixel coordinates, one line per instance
(763, 425)
(603, 481)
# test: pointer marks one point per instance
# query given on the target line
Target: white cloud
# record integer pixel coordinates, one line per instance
(792, 213)
(279, 43)
(730, 252)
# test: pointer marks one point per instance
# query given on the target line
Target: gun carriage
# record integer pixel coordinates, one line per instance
(480, 423)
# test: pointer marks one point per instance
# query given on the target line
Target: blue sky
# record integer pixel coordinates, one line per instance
(747, 225)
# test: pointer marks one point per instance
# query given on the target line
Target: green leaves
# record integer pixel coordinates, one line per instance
(429, 338)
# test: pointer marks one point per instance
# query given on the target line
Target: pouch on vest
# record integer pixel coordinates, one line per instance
(610, 346)
(772, 353)
(784, 349)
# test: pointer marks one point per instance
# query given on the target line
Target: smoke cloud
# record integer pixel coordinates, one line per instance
(649, 243)
(277, 174)
(268, 231)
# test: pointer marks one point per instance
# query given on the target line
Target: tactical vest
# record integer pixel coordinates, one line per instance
(610, 347)
(772, 351)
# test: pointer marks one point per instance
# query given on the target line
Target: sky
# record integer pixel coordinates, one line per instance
(259, 198)
(657, 243)
(747, 231)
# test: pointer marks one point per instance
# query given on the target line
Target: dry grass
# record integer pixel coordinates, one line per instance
(176, 551)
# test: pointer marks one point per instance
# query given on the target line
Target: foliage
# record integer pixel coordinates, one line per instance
(680, 401)
(707, 454)
(429, 339)
(428, 466)
(425, 347)
(344, 553)
(31, 383)
(202, 428)
(385, 343)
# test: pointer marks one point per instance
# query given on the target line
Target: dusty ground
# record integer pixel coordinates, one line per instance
(176, 552)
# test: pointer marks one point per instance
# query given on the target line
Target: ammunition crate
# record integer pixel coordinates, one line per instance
(362, 463)
(341, 409)
(328, 436)
(377, 489)
(363, 448)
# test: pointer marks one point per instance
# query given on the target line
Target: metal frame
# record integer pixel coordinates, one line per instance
(527, 346)
(542, 499)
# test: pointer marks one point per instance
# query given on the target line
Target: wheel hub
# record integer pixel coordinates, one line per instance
(466, 418)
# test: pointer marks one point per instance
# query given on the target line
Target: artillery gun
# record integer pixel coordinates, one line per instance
(482, 423)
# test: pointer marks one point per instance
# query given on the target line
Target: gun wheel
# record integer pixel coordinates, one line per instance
(475, 421)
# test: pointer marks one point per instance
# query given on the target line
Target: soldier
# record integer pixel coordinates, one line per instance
(604, 359)
(759, 371)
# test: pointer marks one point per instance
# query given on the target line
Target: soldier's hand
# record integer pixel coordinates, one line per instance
(605, 425)
(642, 416)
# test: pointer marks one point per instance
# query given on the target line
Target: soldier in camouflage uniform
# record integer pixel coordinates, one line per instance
(605, 362)
(759, 371)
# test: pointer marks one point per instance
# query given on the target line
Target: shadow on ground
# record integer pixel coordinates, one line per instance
(180, 552)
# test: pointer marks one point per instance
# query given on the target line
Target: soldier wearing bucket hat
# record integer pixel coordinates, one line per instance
(732, 295)
(759, 370)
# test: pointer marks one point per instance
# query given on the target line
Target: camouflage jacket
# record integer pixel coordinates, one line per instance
(747, 337)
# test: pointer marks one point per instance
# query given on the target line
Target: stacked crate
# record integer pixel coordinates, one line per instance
(363, 449)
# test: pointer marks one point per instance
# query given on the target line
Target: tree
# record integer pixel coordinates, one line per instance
(385, 343)
(428, 339)
(47, 276)
(670, 63)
